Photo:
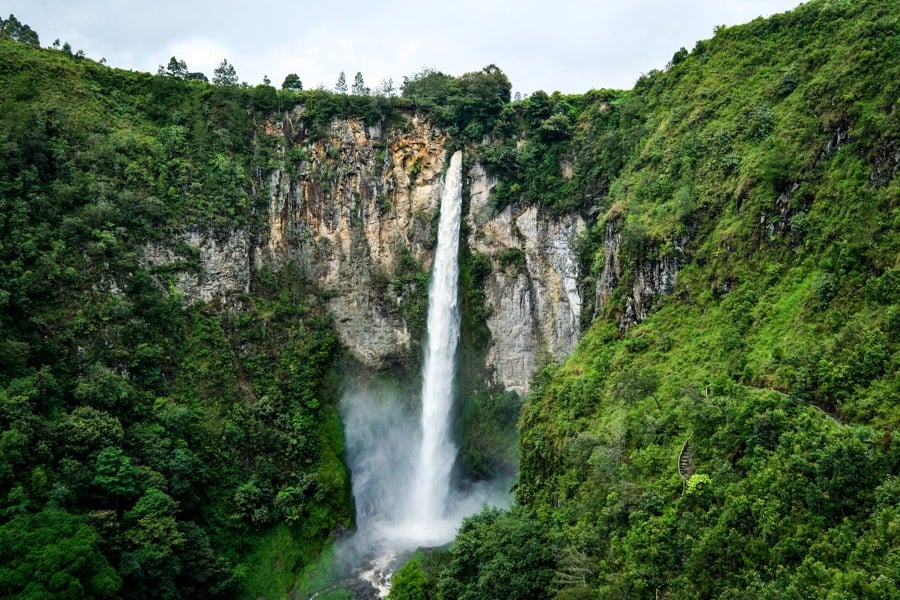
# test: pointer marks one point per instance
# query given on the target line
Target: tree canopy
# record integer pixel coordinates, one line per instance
(225, 74)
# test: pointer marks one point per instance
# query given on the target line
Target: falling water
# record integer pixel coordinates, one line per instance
(401, 468)
(431, 483)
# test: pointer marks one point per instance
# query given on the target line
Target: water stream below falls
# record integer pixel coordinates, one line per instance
(402, 460)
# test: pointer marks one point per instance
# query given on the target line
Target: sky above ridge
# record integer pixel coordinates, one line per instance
(567, 45)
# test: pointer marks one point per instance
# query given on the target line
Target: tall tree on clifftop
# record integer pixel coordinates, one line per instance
(341, 86)
(176, 68)
(292, 82)
(225, 74)
(19, 31)
(359, 86)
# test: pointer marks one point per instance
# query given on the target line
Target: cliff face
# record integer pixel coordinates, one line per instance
(653, 275)
(356, 209)
(355, 206)
(532, 295)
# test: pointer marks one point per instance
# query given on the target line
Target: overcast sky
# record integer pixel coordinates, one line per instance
(565, 45)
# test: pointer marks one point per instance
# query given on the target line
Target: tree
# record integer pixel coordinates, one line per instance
(115, 474)
(53, 554)
(387, 88)
(292, 82)
(150, 562)
(410, 582)
(225, 74)
(498, 554)
(359, 85)
(176, 68)
(19, 31)
(430, 86)
(341, 86)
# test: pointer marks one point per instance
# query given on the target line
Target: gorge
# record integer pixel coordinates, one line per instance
(678, 328)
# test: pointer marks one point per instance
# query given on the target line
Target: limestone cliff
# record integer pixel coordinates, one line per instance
(355, 210)
(652, 274)
(357, 204)
(532, 296)
(202, 266)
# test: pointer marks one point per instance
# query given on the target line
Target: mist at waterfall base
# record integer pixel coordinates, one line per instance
(400, 452)
(384, 436)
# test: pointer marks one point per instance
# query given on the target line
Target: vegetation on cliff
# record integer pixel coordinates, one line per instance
(736, 437)
(148, 448)
(726, 427)
(167, 448)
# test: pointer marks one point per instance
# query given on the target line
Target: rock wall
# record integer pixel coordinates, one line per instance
(652, 275)
(203, 267)
(532, 295)
(356, 206)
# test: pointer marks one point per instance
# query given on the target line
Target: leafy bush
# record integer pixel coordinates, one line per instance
(498, 554)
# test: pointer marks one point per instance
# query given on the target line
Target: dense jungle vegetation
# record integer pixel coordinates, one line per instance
(736, 440)
(741, 440)
(151, 448)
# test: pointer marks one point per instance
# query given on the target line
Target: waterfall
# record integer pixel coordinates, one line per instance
(402, 468)
(431, 480)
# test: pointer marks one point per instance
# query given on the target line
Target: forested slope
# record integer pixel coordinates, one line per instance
(727, 427)
(149, 447)
(159, 438)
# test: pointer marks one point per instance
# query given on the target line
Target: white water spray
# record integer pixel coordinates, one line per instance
(402, 469)
(431, 481)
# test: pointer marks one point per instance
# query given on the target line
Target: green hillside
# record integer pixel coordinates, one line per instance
(149, 450)
(761, 167)
(726, 428)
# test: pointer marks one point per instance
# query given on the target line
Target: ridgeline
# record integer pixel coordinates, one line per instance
(739, 280)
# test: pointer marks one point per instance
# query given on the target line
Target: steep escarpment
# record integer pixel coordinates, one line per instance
(183, 268)
(355, 208)
(355, 212)
(532, 296)
(726, 427)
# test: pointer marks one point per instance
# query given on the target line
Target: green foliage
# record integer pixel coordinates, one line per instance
(567, 148)
(410, 583)
(149, 448)
(54, 553)
(359, 86)
(498, 554)
(175, 68)
(18, 31)
(472, 105)
(225, 74)
(341, 86)
(172, 438)
(292, 82)
(749, 164)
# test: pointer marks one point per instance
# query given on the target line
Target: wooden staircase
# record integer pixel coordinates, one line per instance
(685, 464)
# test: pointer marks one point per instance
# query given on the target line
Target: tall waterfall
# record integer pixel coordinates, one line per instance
(402, 467)
(431, 480)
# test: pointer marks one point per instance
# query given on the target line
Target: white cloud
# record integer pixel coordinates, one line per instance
(569, 45)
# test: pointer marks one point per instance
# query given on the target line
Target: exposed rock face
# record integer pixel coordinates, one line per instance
(651, 278)
(532, 295)
(225, 268)
(356, 208)
(348, 214)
